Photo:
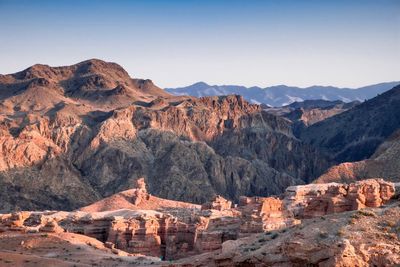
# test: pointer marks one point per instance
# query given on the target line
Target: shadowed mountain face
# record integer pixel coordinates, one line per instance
(282, 95)
(356, 134)
(72, 135)
(385, 163)
(363, 138)
(304, 114)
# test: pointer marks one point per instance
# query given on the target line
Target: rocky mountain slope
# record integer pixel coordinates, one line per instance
(306, 113)
(311, 224)
(72, 135)
(356, 134)
(282, 95)
(385, 163)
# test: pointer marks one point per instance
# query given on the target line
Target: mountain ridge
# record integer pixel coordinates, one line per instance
(281, 95)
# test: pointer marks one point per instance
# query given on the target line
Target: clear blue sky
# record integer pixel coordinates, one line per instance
(176, 43)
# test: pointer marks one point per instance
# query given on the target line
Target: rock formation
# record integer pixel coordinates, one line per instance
(173, 230)
(319, 199)
(140, 193)
(218, 203)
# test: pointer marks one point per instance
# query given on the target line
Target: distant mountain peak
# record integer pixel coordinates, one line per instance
(94, 62)
(200, 85)
(280, 95)
(101, 67)
(34, 71)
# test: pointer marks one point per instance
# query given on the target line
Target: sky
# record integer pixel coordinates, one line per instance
(349, 43)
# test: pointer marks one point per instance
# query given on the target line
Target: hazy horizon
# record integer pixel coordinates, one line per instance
(177, 43)
(287, 85)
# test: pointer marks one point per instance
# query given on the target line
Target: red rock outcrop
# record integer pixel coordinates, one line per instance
(174, 230)
(320, 199)
(140, 193)
(218, 203)
(51, 226)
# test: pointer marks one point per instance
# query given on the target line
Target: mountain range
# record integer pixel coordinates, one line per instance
(281, 95)
(75, 134)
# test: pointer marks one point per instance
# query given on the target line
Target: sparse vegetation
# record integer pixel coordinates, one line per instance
(391, 223)
(340, 232)
(353, 221)
(274, 235)
(368, 213)
(323, 235)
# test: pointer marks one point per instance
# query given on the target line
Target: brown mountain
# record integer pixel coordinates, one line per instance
(72, 135)
(93, 82)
